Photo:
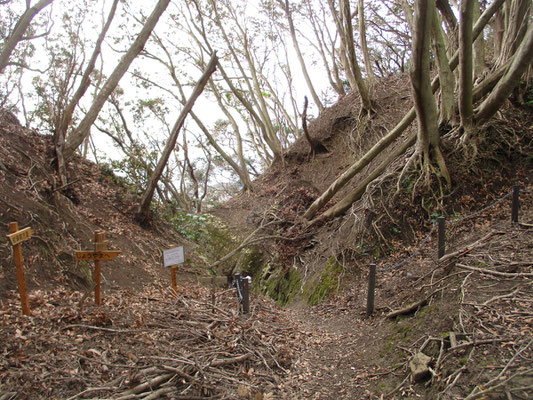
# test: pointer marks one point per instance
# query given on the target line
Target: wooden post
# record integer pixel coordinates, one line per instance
(98, 254)
(515, 205)
(17, 256)
(371, 289)
(99, 246)
(442, 237)
(173, 279)
(245, 295)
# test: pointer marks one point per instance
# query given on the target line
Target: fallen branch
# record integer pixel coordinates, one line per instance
(155, 382)
(496, 273)
(478, 342)
(88, 390)
(468, 248)
(407, 310)
(246, 242)
(98, 328)
(412, 307)
(66, 185)
(228, 361)
(503, 296)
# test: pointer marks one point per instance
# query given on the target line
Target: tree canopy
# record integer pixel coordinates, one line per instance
(106, 72)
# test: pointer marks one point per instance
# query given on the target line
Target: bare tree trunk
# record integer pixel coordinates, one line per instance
(364, 45)
(285, 6)
(426, 109)
(347, 36)
(144, 206)
(66, 117)
(242, 171)
(479, 47)
(408, 12)
(498, 29)
(190, 169)
(451, 23)
(446, 76)
(521, 61)
(516, 23)
(466, 66)
(76, 138)
(20, 28)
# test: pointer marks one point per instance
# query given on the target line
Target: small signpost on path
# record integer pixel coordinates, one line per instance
(16, 237)
(99, 254)
(171, 258)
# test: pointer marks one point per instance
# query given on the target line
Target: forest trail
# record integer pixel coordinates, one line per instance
(333, 364)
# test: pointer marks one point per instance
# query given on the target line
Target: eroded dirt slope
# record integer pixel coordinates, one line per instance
(64, 219)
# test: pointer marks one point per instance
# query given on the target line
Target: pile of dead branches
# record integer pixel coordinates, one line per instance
(143, 346)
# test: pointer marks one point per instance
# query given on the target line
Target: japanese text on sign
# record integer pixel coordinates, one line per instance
(20, 236)
(173, 256)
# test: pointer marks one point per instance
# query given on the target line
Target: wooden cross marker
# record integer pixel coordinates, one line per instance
(99, 254)
(16, 237)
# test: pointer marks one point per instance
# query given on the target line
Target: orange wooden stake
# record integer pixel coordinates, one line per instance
(99, 254)
(174, 280)
(17, 256)
(99, 245)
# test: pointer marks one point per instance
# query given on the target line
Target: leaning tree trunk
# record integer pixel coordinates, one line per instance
(77, 137)
(521, 61)
(364, 93)
(146, 199)
(342, 206)
(20, 28)
(66, 118)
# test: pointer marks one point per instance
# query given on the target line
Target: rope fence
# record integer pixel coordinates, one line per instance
(439, 226)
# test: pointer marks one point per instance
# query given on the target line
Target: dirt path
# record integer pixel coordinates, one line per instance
(336, 361)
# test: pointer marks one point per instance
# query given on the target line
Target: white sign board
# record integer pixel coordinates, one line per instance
(173, 256)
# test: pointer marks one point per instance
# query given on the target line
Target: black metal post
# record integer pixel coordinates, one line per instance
(516, 204)
(442, 237)
(371, 289)
(245, 296)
